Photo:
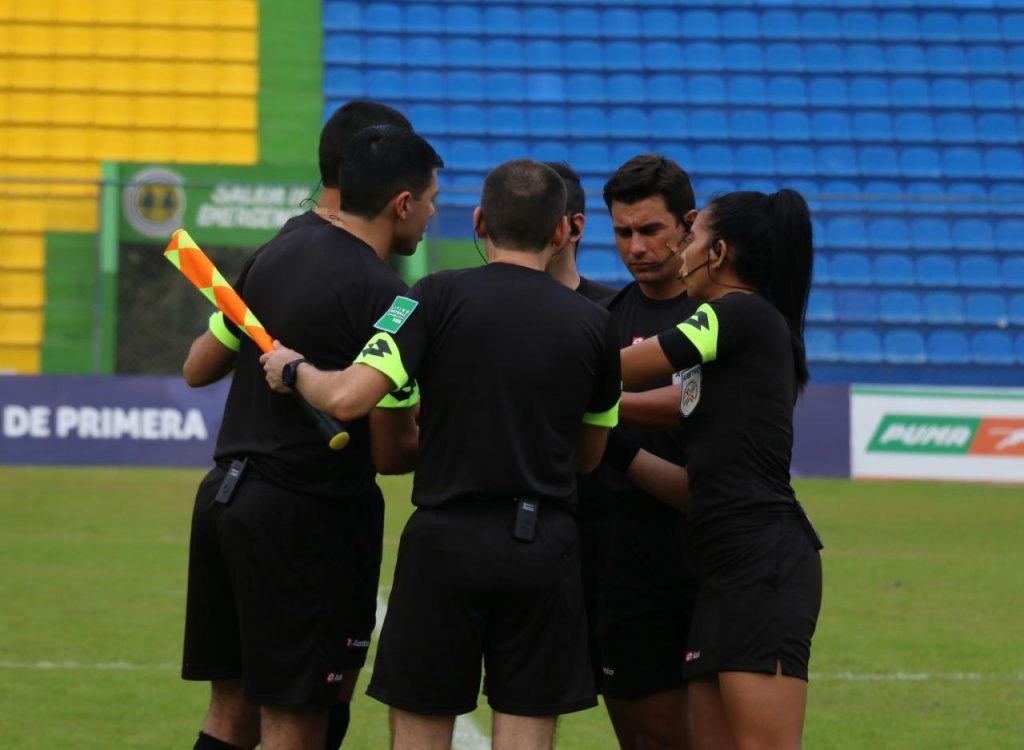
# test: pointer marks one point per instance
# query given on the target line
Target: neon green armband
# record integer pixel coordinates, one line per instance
(220, 331)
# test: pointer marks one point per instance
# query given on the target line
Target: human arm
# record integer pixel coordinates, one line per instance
(212, 355)
(656, 409)
(590, 447)
(661, 479)
(394, 440)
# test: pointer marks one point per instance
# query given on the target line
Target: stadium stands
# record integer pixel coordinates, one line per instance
(902, 123)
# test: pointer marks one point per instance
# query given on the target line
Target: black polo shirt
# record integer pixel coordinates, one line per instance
(510, 363)
(596, 292)
(319, 290)
(739, 392)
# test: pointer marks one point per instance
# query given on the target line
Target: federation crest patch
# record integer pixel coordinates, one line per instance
(397, 314)
(690, 380)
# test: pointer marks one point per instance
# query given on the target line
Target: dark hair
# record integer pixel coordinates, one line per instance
(575, 199)
(522, 204)
(379, 163)
(773, 246)
(346, 121)
(651, 174)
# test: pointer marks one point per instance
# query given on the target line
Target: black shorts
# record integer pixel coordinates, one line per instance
(592, 520)
(367, 530)
(466, 590)
(647, 598)
(760, 593)
(271, 591)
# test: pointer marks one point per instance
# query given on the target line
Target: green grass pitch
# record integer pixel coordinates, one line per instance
(918, 645)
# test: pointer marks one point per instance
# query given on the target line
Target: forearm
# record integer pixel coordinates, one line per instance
(208, 361)
(653, 410)
(664, 480)
(335, 392)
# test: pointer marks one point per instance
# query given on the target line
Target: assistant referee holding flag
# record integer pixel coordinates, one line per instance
(520, 381)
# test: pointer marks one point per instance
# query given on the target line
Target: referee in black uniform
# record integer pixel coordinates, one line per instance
(748, 261)
(520, 382)
(270, 619)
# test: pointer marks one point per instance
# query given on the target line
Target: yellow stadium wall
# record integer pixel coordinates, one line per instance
(88, 81)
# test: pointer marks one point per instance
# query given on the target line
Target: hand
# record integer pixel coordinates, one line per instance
(273, 363)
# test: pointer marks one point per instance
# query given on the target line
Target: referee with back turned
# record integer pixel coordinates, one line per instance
(520, 381)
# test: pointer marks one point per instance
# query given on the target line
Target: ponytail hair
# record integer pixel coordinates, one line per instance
(773, 247)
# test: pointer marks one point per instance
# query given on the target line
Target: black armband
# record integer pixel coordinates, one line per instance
(620, 451)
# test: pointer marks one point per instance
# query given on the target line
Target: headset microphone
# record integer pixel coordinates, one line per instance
(684, 274)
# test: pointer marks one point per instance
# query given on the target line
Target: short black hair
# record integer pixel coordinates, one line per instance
(575, 199)
(380, 162)
(522, 204)
(647, 175)
(346, 121)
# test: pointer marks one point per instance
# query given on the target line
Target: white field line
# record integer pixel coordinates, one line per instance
(467, 735)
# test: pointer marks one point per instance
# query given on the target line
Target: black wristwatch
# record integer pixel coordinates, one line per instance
(290, 372)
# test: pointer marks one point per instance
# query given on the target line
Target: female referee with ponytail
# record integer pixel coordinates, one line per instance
(748, 261)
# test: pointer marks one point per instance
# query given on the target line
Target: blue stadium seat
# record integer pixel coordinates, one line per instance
(830, 125)
(980, 271)
(384, 50)
(851, 269)
(581, 21)
(927, 197)
(467, 85)
(1004, 163)
(837, 196)
(962, 161)
(940, 27)
(344, 83)
(966, 197)
(551, 151)
(543, 21)
(998, 127)
(624, 55)
(973, 234)
(860, 345)
(780, 24)
(666, 88)
(463, 53)
(587, 122)
(856, 306)
(748, 124)
(838, 161)
(463, 190)
(913, 126)
(626, 88)
(591, 157)
(783, 57)
(869, 91)
(428, 119)
(545, 87)
(585, 87)
(661, 22)
(1019, 346)
(798, 160)
(955, 127)
(344, 49)
(503, 53)
(906, 59)
(791, 125)
(427, 51)
(502, 20)
(585, 54)
(506, 120)
(742, 56)
(899, 307)
(423, 18)
(663, 56)
(980, 27)
(704, 124)
(1013, 272)
(886, 196)
(911, 91)
(865, 58)
(468, 154)
(755, 160)
(945, 59)
(891, 269)
(425, 84)
(383, 17)
(787, 91)
(1005, 197)
(462, 19)
(667, 122)
(623, 151)
(628, 122)
(821, 306)
(1010, 235)
(920, 161)
(819, 24)
(385, 84)
(822, 266)
(829, 91)
(987, 59)
(858, 24)
(600, 265)
(821, 345)
(845, 233)
(878, 161)
(904, 347)
(872, 126)
(930, 235)
(986, 308)
(546, 122)
(620, 23)
(740, 24)
(898, 26)
(681, 154)
(1016, 310)
(543, 54)
(503, 151)
(706, 89)
(465, 119)
(825, 57)
(747, 91)
(599, 229)
(340, 16)
(941, 308)
(505, 87)
(992, 93)
(951, 92)
(1013, 27)
(703, 56)
(713, 160)
(948, 348)
(992, 348)
(936, 270)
